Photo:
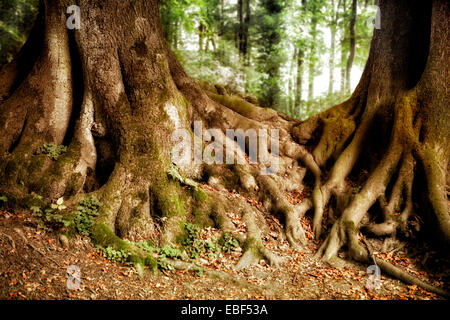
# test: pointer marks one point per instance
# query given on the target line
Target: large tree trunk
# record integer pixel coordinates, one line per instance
(394, 96)
(114, 93)
(395, 125)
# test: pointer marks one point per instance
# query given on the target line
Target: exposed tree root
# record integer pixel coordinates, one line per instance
(401, 196)
(279, 204)
(254, 249)
(404, 276)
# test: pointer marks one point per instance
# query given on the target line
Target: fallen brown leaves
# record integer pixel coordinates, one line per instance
(297, 196)
(299, 277)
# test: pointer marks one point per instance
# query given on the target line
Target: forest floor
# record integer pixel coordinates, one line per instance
(33, 265)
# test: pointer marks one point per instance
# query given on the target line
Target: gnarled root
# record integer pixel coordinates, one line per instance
(345, 231)
(254, 249)
(401, 196)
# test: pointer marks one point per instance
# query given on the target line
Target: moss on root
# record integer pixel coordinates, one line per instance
(103, 236)
(200, 195)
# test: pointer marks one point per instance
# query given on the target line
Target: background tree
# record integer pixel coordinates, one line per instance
(333, 14)
(269, 57)
(314, 8)
(351, 55)
(14, 25)
(234, 64)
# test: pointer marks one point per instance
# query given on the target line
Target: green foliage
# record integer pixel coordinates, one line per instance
(199, 271)
(192, 232)
(196, 247)
(49, 217)
(228, 242)
(86, 211)
(164, 265)
(52, 151)
(3, 199)
(58, 205)
(170, 252)
(279, 33)
(113, 254)
(146, 246)
(16, 17)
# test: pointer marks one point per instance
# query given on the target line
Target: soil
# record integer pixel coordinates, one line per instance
(34, 264)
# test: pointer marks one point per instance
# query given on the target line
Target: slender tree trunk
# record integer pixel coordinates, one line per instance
(332, 59)
(312, 59)
(246, 36)
(312, 53)
(299, 85)
(351, 55)
(291, 85)
(201, 37)
(333, 30)
(344, 40)
(240, 29)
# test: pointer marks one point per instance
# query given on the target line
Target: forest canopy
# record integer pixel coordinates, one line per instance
(291, 55)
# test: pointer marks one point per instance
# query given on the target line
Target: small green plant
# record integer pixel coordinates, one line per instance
(113, 254)
(229, 243)
(37, 212)
(47, 218)
(199, 271)
(84, 215)
(52, 151)
(58, 205)
(192, 232)
(170, 252)
(197, 247)
(164, 265)
(36, 196)
(145, 245)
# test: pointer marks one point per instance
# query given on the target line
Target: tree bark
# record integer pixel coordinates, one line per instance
(245, 46)
(201, 38)
(291, 94)
(240, 31)
(299, 85)
(312, 57)
(390, 112)
(351, 56)
(344, 39)
(333, 27)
